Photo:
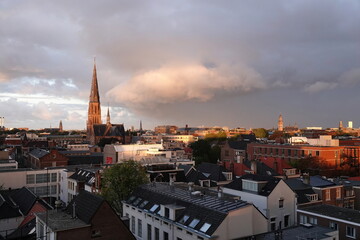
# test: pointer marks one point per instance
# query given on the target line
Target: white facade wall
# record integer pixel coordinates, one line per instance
(163, 224)
(32, 180)
(269, 206)
(64, 193)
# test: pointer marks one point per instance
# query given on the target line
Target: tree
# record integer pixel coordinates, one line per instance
(120, 180)
(201, 151)
(260, 132)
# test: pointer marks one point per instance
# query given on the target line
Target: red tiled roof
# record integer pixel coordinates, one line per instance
(239, 168)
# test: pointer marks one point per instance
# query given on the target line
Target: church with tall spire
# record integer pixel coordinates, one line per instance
(95, 129)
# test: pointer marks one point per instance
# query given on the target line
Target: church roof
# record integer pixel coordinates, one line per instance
(115, 130)
(94, 94)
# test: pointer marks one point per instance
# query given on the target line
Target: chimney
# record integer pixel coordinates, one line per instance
(220, 192)
(253, 166)
(306, 178)
(190, 184)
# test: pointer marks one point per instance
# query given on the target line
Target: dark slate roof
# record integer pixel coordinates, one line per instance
(301, 195)
(194, 176)
(38, 153)
(7, 208)
(265, 191)
(262, 168)
(27, 231)
(239, 145)
(115, 130)
(86, 205)
(85, 175)
(296, 184)
(186, 168)
(318, 181)
(25, 199)
(164, 176)
(206, 207)
(335, 212)
(212, 171)
(85, 159)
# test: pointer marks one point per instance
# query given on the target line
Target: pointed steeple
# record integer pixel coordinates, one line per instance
(141, 126)
(60, 126)
(108, 116)
(94, 93)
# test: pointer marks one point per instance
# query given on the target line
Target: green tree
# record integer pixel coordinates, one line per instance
(260, 132)
(201, 151)
(120, 180)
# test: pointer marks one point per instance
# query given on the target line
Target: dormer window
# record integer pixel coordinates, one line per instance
(312, 197)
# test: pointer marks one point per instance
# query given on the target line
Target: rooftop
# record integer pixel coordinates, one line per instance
(59, 220)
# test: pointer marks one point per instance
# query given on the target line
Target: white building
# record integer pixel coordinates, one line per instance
(172, 211)
(43, 182)
(272, 196)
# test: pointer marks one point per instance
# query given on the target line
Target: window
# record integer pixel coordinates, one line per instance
(194, 223)
(167, 212)
(317, 153)
(157, 234)
(42, 178)
(333, 225)
(53, 177)
(154, 208)
(95, 233)
(149, 232)
(281, 203)
(313, 220)
(205, 227)
(273, 223)
(327, 195)
(286, 220)
(166, 236)
(350, 232)
(303, 219)
(139, 228)
(189, 233)
(249, 185)
(30, 179)
(184, 219)
(338, 193)
(133, 224)
(312, 197)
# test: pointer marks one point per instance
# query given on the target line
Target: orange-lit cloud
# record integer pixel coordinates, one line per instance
(180, 83)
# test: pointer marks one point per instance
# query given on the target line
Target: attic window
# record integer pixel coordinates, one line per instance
(136, 202)
(205, 227)
(154, 208)
(143, 203)
(194, 223)
(184, 219)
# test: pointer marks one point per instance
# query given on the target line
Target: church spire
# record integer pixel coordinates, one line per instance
(94, 94)
(108, 116)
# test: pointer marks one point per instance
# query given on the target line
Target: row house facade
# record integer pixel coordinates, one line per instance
(333, 155)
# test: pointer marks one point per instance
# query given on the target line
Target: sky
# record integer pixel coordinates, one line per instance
(201, 63)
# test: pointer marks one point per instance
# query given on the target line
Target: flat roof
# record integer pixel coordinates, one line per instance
(58, 220)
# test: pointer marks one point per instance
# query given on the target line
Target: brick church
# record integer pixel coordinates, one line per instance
(96, 130)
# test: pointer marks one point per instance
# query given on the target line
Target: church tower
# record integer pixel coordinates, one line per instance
(94, 111)
(108, 117)
(60, 126)
(280, 123)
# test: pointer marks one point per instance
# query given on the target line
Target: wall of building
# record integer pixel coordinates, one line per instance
(7, 226)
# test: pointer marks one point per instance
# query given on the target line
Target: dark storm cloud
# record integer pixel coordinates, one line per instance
(142, 47)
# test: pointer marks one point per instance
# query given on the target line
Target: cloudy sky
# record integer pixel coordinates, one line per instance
(223, 63)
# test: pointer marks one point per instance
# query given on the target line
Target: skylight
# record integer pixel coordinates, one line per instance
(154, 208)
(184, 219)
(194, 223)
(143, 203)
(205, 227)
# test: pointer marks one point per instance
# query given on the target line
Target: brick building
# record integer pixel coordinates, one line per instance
(332, 155)
(40, 158)
(87, 216)
(346, 221)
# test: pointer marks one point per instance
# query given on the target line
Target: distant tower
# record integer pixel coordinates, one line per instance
(60, 126)
(280, 123)
(141, 126)
(108, 116)
(94, 111)
(341, 125)
(350, 124)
